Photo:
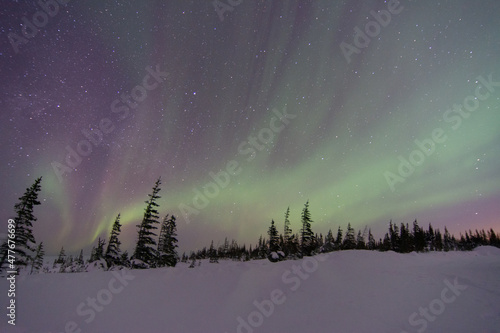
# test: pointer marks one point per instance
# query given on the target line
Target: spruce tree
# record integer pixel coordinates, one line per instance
(167, 243)
(273, 238)
(319, 241)
(261, 248)
(287, 232)
(172, 257)
(37, 262)
(329, 245)
(418, 237)
(371, 241)
(307, 236)
(429, 238)
(405, 241)
(438, 241)
(99, 250)
(225, 248)
(92, 255)
(80, 263)
(25, 244)
(329, 237)
(62, 256)
(113, 252)
(339, 240)
(161, 242)
(386, 243)
(360, 241)
(145, 250)
(394, 235)
(349, 240)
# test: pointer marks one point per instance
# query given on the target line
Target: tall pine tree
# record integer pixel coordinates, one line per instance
(273, 238)
(287, 235)
(167, 243)
(113, 252)
(419, 237)
(145, 251)
(307, 236)
(25, 240)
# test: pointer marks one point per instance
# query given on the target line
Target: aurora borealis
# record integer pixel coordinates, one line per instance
(220, 116)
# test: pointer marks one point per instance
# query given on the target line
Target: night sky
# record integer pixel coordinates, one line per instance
(282, 101)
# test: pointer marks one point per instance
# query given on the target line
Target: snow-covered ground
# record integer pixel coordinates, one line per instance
(348, 291)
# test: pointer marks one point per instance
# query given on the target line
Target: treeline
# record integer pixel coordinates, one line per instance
(287, 245)
(21, 252)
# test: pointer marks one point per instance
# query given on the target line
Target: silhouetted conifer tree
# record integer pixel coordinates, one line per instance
(273, 238)
(394, 235)
(386, 243)
(62, 256)
(339, 240)
(360, 241)
(307, 241)
(372, 244)
(349, 240)
(419, 237)
(405, 242)
(113, 252)
(145, 250)
(287, 233)
(37, 262)
(329, 245)
(25, 244)
(438, 241)
(98, 251)
(167, 244)
(429, 238)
